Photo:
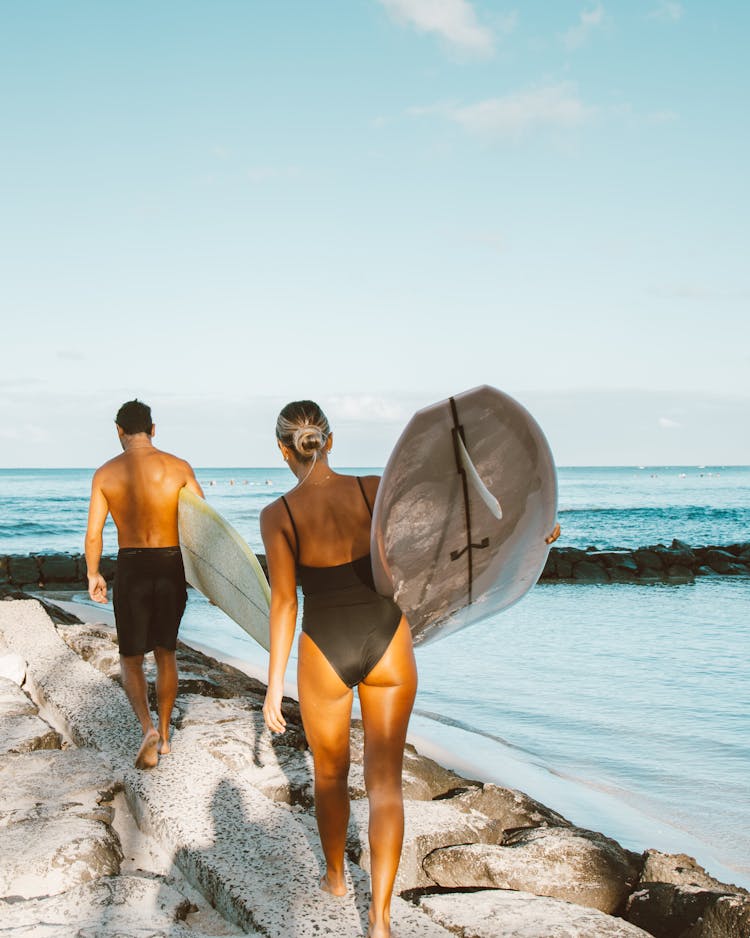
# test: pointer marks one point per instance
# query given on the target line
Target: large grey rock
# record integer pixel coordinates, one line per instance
(74, 781)
(728, 917)
(667, 911)
(502, 914)
(116, 907)
(513, 809)
(563, 863)
(49, 855)
(681, 870)
(429, 825)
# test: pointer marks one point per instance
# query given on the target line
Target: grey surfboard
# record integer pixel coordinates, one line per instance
(220, 564)
(466, 501)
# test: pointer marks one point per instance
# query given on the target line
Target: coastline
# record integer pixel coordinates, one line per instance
(414, 875)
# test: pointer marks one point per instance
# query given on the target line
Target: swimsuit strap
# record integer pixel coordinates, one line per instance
(362, 490)
(294, 527)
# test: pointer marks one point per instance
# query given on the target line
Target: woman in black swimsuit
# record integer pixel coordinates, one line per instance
(351, 636)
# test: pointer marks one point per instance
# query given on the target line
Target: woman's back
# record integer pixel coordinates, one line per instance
(329, 520)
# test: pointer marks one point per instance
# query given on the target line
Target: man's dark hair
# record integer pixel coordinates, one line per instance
(134, 417)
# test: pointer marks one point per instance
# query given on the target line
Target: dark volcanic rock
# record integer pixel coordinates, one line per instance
(23, 570)
(728, 917)
(58, 568)
(647, 559)
(587, 572)
(667, 911)
(719, 560)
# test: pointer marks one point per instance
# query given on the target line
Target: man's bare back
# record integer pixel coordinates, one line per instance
(142, 488)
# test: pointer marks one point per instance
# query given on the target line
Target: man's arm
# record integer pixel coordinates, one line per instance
(98, 510)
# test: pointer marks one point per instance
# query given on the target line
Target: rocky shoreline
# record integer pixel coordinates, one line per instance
(231, 808)
(678, 563)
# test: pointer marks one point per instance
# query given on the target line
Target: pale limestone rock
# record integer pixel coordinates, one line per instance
(49, 855)
(12, 668)
(25, 734)
(429, 825)
(73, 781)
(122, 906)
(13, 701)
(563, 863)
(498, 913)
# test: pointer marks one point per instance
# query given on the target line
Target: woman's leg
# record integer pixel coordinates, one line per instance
(386, 696)
(326, 707)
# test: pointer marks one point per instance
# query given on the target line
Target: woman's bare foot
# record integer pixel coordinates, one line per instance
(164, 747)
(148, 755)
(379, 931)
(333, 886)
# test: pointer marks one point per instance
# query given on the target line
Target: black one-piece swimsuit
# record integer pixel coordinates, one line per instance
(347, 619)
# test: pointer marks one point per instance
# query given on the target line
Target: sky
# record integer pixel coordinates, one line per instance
(220, 207)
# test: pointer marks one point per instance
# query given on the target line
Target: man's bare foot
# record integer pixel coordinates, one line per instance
(148, 755)
(164, 747)
(333, 887)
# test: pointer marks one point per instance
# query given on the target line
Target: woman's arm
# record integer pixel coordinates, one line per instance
(283, 617)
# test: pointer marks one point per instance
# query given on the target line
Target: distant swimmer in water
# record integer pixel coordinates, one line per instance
(140, 489)
(351, 637)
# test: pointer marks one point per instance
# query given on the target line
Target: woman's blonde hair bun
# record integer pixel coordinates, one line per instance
(304, 428)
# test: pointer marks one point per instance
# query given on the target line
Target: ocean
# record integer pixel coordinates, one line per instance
(625, 707)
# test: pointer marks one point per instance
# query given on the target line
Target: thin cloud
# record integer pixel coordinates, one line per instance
(518, 114)
(588, 21)
(369, 407)
(666, 423)
(453, 20)
(669, 10)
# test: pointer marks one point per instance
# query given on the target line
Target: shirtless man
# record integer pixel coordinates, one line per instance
(140, 489)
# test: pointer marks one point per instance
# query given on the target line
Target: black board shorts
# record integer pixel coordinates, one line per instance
(149, 598)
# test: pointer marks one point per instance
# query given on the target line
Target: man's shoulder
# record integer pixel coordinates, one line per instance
(175, 462)
(109, 467)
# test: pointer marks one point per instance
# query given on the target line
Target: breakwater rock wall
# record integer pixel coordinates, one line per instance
(678, 563)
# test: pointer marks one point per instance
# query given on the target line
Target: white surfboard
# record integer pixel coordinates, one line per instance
(220, 564)
(466, 501)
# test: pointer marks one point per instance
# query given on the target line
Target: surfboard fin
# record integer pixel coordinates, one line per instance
(493, 505)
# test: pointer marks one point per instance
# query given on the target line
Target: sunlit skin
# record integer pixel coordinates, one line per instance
(140, 488)
(334, 527)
